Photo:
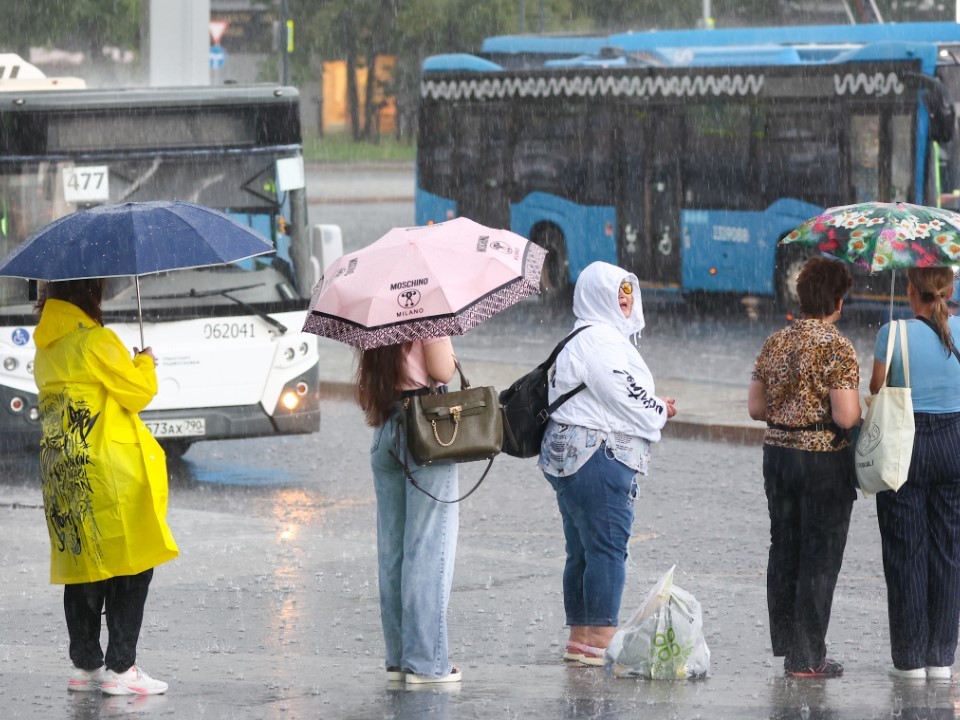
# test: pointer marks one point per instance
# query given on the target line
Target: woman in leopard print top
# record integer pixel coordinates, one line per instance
(805, 386)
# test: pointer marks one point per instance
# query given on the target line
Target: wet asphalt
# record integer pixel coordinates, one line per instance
(271, 611)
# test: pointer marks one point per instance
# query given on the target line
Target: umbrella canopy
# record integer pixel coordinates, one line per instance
(132, 239)
(883, 236)
(421, 282)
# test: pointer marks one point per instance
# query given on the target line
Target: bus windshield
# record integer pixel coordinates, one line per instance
(242, 186)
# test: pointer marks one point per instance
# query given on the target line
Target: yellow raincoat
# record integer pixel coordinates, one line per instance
(104, 476)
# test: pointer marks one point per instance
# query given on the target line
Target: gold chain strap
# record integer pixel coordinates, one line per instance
(455, 412)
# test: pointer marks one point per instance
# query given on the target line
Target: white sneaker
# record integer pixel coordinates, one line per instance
(132, 682)
(452, 677)
(85, 680)
(915, 674)
(935, 672)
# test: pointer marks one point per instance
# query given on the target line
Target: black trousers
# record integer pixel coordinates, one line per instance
(809, 497)
(124, 598)
(920, 532)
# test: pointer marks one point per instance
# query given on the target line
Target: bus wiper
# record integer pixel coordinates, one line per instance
(225, 292)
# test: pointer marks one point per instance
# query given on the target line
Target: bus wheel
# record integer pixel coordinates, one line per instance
(175, 449)
(790, 262)
(555, 280)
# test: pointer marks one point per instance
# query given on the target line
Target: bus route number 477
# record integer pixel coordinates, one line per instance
(90, 183)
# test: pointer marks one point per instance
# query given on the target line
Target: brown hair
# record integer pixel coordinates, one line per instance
(935, 285)
(821, 285)
(379, 373)
(85, 294)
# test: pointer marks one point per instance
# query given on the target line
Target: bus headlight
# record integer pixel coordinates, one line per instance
(290, 400)
(10, 364)
(288, 354)
(33, 414)
(304, 348)
(17, 404)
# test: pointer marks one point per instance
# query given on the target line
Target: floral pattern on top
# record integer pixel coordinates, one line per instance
(883, 236)
(798, 367)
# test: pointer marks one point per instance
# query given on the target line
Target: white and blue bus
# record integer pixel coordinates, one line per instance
(687, 155)
(231, 360)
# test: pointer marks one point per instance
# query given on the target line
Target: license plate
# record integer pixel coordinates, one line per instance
(183, 427)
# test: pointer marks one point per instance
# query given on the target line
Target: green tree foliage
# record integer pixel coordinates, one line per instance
(86, 25)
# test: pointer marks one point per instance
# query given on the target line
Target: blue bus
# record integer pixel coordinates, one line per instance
(686, 156)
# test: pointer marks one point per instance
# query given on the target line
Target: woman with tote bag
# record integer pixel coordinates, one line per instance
(920, 522)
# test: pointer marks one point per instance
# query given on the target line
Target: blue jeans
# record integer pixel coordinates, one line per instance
(596, 504)
(416, 547)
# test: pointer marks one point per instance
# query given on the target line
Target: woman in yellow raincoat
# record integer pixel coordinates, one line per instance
(104, 483)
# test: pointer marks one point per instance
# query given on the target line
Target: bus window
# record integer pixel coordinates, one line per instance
(437, 167)
(797, 157)
(716, 157)
(548, 151)
(865, 157)
(901, 158)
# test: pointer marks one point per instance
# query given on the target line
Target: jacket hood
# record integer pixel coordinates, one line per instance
(58, 319)
(596, 299)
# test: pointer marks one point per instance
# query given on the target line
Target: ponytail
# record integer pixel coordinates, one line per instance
(935, 285)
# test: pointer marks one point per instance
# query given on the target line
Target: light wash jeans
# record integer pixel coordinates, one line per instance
(416, 548)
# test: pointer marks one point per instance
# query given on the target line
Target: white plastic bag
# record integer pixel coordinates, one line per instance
(663, 639)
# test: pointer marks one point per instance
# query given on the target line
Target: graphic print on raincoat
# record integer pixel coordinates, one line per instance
(103, 475)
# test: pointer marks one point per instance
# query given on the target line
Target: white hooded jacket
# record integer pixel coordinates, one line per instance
(620, 395)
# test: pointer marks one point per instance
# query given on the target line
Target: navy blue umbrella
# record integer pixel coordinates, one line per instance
(136, 238)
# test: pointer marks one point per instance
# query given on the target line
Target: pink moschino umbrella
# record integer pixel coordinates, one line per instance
(422, 282)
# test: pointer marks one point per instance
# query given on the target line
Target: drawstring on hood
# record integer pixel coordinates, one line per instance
(596, 299)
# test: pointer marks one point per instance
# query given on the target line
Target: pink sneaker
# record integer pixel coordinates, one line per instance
(85, 680)
(132, 682)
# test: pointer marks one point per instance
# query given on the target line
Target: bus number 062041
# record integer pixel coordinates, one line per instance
(227, 331)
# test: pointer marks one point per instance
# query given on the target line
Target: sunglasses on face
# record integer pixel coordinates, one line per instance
(626, 287)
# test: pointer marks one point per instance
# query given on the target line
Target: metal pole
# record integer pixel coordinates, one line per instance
(284, 31)
(542, 17)
(707, 15)
(139, 311)
(523, 16)
(893, 274)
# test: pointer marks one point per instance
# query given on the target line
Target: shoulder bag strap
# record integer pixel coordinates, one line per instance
(891, 339)
(904, 352)
(929, 323)
(551, 408)
(406, 471)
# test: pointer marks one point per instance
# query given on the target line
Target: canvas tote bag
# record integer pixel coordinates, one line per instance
(885, 445)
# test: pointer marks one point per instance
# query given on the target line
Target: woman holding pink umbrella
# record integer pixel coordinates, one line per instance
(416, 534)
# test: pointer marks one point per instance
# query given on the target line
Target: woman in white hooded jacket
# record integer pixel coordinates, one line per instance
(594, 446)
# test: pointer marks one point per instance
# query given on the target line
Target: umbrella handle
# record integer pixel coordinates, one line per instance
(139, 311)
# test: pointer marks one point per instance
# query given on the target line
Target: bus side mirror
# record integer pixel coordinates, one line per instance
(943, 119)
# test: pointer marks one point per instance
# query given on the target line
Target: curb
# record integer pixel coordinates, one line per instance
(680, 429)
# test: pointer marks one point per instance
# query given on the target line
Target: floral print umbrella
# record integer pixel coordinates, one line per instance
(882, 236)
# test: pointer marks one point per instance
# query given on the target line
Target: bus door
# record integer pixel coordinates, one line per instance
(484, 165)
(648, 191)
